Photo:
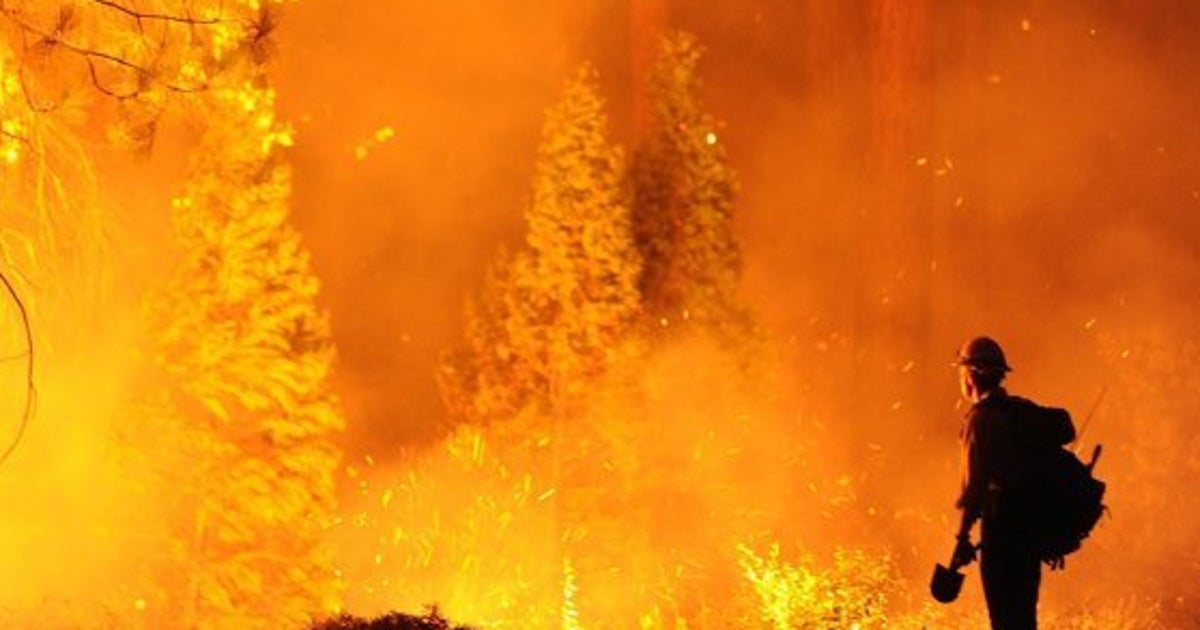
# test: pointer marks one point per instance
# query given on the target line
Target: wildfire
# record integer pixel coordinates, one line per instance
(624, 443)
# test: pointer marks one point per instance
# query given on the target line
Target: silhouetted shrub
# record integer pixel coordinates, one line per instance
(391, 621)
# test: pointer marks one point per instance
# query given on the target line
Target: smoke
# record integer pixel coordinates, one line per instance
(73, 517)
(630, 503)
(1058, 168)
(1063, 221)
(403, 235)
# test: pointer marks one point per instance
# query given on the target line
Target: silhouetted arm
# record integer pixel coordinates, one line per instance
(970, 500)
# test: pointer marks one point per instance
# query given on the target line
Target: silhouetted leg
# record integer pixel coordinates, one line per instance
(1011, 577)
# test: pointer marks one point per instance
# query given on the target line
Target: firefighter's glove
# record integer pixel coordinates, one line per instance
(964, 552)
(1057, 563)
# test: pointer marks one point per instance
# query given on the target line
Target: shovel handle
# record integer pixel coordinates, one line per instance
(954, 565)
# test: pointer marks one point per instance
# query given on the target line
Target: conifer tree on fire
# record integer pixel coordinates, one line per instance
(234, 436)
(551, 315)
(247, 358)
(617, 466)
(684, 201)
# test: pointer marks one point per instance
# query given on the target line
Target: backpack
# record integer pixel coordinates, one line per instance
(1064, 500)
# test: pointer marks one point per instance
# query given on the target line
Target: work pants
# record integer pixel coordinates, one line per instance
(1011, 576)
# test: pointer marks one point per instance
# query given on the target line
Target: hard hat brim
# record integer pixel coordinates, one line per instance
(980, 365)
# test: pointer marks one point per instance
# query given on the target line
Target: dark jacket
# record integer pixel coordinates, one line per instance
(999, 436)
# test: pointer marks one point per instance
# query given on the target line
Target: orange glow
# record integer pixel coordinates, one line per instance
(245, 231)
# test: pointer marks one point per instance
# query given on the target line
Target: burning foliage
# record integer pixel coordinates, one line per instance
(552, 316)
(602, 486)
(618, 454)
(684, 195)
(632, 475)
(226, 453)
(243, 392)
(853, 593)
(616, 493)
(616, 510)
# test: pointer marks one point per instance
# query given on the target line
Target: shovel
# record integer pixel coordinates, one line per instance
(946, 583)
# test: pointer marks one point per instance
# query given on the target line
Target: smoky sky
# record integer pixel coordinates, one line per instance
(1059, 168)
(1060, 160)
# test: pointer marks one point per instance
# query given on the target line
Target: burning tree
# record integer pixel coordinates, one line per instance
(607, 438)
(233, 437)
(683, 201)
(553, 316)
(595, 261)
(246, 357)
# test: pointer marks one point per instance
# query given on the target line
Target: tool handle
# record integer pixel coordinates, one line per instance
(954, 566)
(1095, 456)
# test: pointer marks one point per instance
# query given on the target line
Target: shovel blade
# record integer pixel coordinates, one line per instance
(946, 584)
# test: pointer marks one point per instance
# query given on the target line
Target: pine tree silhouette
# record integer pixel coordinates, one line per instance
(551, 315)
(683, 204)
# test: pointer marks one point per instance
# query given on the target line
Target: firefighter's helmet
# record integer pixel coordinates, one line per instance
(982, 353)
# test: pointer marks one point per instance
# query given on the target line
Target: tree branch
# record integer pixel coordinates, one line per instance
(165, 17)
(51, 39)
(104, 90)
(89, 54)
(25, 141)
